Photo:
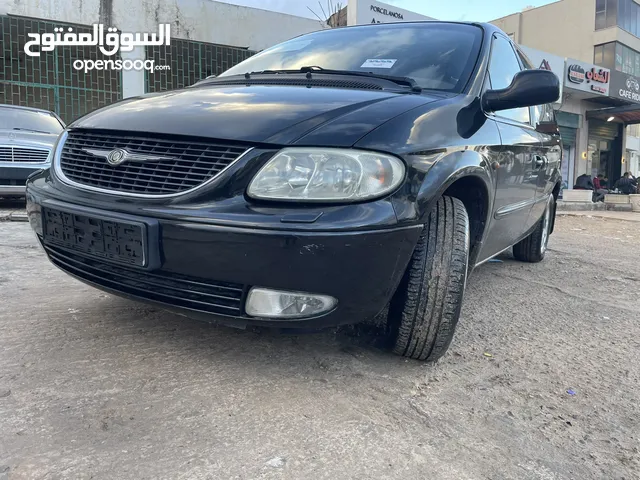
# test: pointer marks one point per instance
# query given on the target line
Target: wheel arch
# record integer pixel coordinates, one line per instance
(556, 194)
(473, 193)
(465, 175)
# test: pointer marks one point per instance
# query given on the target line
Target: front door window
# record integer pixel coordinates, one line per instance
(503, 67)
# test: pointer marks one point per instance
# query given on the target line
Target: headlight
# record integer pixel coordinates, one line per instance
(327, 175)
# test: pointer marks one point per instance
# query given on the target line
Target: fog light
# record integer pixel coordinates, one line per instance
(265, 303)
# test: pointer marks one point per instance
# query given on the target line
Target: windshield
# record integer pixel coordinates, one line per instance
(437, 56)
(16, 118)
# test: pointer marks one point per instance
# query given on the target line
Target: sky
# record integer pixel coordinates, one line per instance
(457, 10)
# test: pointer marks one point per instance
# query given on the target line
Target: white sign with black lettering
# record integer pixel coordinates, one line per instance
(361, 12)
(379, 63)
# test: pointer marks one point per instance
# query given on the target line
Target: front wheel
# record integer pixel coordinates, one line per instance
(533, 248)
(424, 311)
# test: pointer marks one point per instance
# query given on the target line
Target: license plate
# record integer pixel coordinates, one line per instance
(116, 241)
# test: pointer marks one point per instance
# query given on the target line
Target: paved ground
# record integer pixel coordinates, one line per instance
(93, 386)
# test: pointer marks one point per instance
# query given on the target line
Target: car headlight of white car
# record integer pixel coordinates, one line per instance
(327, 175)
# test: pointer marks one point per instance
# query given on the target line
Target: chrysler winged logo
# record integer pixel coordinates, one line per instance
(116, 157)
(119, 155)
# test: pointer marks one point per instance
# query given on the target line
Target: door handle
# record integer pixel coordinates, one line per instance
(539, 161)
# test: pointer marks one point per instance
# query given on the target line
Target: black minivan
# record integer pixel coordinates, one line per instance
(316, 183)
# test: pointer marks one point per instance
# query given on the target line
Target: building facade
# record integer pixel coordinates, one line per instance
(206, 39)
(600, 108)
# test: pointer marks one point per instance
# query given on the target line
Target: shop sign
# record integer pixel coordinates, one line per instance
(361, 12)
(587, 77)
(625, 86)
(546, 61)
(576, 74)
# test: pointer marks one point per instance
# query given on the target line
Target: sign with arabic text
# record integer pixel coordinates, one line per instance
(109, 44)
(587, 77)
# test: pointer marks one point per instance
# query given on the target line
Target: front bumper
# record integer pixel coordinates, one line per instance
(205, 270)
(13, 177)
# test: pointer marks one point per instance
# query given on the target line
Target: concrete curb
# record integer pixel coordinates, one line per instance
(13, 217)
(592, 207)
(607, 215)
(18, 217)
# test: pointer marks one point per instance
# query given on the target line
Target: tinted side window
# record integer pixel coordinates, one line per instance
(525, 61)
(503, 66)
(543, 116)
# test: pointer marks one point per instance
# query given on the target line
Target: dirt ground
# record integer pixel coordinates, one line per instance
(541, 381)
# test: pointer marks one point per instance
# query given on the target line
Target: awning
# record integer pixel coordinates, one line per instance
(629, 114)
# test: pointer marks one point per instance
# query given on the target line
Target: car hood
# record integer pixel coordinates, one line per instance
(23, 138)
(257, 113)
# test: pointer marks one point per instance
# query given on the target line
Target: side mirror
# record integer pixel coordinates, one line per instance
(528, 88)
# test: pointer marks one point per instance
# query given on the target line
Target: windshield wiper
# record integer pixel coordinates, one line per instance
(407, 81)
(29, 130)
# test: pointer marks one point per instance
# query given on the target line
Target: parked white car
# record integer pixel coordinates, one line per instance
(27, 136)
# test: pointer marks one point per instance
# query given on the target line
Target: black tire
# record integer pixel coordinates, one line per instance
(533, 248)
(425, 309)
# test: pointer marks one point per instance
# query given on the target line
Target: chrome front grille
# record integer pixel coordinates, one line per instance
(23, 155)
(156, 166)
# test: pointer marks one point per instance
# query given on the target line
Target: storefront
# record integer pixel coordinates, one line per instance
(605, 148)
(568, 124)
(613, 143)
(627, 87)
(598, 147)
(590, 147)
(632, 149)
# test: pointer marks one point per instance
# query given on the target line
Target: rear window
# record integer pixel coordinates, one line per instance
(18, 119)
(438, 56)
